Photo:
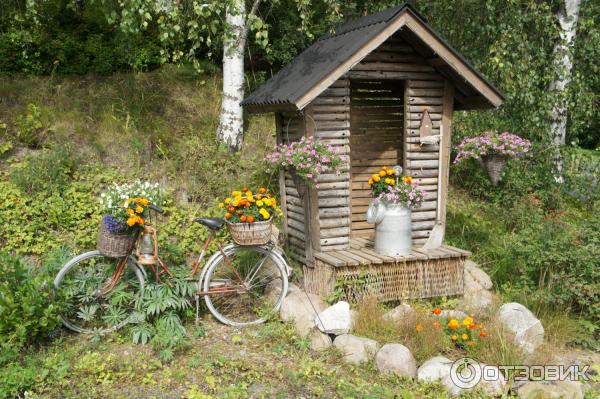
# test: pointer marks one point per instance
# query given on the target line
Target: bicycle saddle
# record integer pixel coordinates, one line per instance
(211, 223)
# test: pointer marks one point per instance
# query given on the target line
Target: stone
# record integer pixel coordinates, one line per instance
(471, 285)
(478, 275)
(437, 369)
(319, 341)
(402, 313)
(477, 302)
(554, 390)
(453, 314)
(493, 386)
(396, 359)
(335, 319)
(297, 307)
(356, 350)
(527, 329)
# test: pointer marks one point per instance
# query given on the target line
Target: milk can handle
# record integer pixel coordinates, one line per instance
(376, 212)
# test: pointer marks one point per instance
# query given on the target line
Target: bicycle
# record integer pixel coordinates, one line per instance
(241, 285)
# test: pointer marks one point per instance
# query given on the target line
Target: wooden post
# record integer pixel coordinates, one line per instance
(311, 201)
(447, 111)
(282, 195)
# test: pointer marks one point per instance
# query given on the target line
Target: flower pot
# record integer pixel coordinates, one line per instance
(114, 245)
(393, 228)
(257, 233)
(494, 165)
(299, 183)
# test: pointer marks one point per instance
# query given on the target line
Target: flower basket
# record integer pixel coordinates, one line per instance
(494, 165)
(114, 245)
(257, 233)
(299, 183)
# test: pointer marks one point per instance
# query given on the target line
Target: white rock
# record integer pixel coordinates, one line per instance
(555, 390)
(319, 341)
(493, 381)
(335, 319)
(356, 349)
(396, 359)
(297, 307)
(477, 302)
(402, 313)
(527, 329)
(479, 275)
(471, 285)
(437, 369)
(453, 314)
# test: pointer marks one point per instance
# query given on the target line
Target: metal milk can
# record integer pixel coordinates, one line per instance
(393, 231)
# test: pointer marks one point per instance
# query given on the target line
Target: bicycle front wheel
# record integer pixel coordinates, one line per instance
(99, 293)
(245, 287)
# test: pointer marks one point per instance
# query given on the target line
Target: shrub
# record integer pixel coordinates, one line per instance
(28, 310)
(49, 171)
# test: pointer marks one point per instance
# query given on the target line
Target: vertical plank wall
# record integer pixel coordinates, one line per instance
(377, 124)
(424, 89)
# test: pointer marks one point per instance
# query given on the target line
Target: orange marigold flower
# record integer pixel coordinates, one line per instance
(437, 311)
(239, 212)
(243, 218)
(419, 327)
(250, 219)
(228, 215)
(483, 334)
(262, 190)
(453, 324)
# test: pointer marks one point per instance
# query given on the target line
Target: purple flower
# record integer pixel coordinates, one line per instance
(113, 225)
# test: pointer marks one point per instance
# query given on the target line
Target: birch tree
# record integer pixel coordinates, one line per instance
(231, 119)
(568, 16)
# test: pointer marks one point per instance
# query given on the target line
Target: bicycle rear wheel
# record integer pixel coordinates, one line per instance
(94, 302)
(245, 287)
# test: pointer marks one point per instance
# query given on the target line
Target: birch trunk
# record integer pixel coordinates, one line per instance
(231, 121)
(563, 65)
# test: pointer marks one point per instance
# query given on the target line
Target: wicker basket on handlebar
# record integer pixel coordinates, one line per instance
(114, 245)
(257, 233)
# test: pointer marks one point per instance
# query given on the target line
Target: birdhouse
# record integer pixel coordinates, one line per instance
(383, 88)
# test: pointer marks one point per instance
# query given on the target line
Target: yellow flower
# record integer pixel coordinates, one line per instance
(453, 324)
(259, 203)
(236, 202)
(131, 221)
(453, 337)
(419, 327)
(249, 196)
(468, 321)
(221, 205)
(390, 172)
(236, 193)
(376, 178)
(389, 181)
(382, 173)
(465, 337)
(139, 209)
(130, 211)
(370, 182)
(138, 200)
(227, 200)
(145, 201)
(407, 179)
(264, 213)
(249, 193)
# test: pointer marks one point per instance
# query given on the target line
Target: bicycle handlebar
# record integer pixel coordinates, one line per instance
(156, 209)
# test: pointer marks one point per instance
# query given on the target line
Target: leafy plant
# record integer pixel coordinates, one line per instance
(29, 312)
(51, 170)
(30, 129)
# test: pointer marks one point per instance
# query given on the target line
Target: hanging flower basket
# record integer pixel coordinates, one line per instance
(299, 182)
(494, 165)
(492, 151)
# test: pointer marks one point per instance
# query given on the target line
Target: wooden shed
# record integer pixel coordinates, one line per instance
(383, 88)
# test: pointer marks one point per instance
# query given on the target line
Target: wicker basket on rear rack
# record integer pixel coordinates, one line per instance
(257, 233)
(114, 245)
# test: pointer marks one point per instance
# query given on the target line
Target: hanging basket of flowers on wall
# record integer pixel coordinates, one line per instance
(125, 209)
(249, 216)
(493, 151)
(306, 160)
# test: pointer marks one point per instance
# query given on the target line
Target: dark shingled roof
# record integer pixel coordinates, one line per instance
(316, 62)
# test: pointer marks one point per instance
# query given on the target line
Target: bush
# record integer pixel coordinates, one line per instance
(48, 171)
(28, 310)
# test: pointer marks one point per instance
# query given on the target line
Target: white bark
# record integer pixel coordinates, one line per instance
(563, 64)
(231, 121)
